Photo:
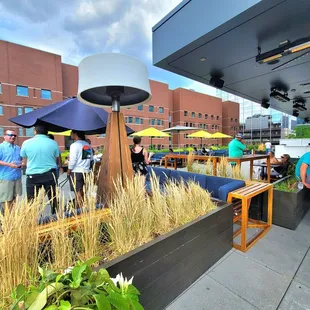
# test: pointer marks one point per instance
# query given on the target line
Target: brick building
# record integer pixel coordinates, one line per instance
(30, 79)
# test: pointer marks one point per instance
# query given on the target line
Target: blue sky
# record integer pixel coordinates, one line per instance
(78, 28)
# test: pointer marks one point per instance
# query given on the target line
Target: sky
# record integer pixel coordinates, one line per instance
(75, 29)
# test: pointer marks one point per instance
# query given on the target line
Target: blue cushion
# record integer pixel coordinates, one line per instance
(224, 190)
(161, 173)
(188, 176)
(214, 183)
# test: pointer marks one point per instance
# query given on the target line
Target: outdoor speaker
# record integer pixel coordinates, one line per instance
(216, 82)
(265, 104)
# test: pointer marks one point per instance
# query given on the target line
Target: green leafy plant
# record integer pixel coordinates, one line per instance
(79, 288)
(289, 185)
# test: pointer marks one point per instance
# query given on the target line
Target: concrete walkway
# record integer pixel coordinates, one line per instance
(274, 274)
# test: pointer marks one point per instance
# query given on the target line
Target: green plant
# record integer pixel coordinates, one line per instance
(289, 185)
(78, 287)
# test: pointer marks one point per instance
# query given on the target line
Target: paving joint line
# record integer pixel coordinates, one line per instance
(233, 292)
(293, 278)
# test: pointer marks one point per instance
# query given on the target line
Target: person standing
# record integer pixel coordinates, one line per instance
(139, 157)
(302, 170)
(236, 146)
(81, 156)
(40, 154)
(10, 170)
(268, 146)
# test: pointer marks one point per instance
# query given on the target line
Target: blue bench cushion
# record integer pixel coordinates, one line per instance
(218, 187)
(178, 176)
(161, 173)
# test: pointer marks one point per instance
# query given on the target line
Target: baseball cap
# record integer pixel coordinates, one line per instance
(239, 135)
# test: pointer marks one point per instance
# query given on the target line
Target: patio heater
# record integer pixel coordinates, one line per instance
(113, 80)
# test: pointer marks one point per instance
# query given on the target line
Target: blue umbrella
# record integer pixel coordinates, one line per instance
(67, 114)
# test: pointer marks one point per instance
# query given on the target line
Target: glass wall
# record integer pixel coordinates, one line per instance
(258, 124)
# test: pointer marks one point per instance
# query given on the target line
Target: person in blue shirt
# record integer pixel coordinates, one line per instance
(40, 154)
(236, 147)
(10, 169)
(302, 170)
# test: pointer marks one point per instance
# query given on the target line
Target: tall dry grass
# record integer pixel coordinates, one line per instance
(19, 243)
(136, 217)
(24, 246)
(149, 215)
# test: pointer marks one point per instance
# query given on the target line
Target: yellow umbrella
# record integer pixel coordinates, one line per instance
(66, 133)
(150, 132)
(219, 135)
(200, 134)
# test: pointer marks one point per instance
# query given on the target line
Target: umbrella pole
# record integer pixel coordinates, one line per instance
(116, 159)
(151, 143)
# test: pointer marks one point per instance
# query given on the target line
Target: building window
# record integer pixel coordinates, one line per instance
(206, 116)
(19, 111)
(1, 110)
(28, 110)
(217, 118)
(212, 117)
(21, 132)
(231, 119)
(199, 115)
(1, 131)
(130, 119)
(190, 124)
(193, 114)
(29, 132)
(22, 91)
(151, 108)
(102, 135)
(153, 121)
(200, 125)
(141, 120)
(161, 110)
(0, 88)
(140, 107)
(137, 120)
(126, 119)
(185, 113)
(162, 122)
(207, 127)
(236, 120)
(46, 94)
(158, 122)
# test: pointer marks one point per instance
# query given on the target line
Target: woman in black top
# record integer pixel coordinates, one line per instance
(139, 157)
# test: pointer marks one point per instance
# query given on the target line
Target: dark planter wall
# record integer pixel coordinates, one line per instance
(289, 208)
(166, 266)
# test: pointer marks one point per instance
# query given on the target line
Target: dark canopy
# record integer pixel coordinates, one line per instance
(67, 114)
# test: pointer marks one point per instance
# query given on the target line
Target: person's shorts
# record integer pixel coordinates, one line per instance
(10, 189)
(77, 181)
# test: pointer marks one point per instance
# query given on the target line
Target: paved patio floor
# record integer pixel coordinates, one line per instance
(274, 274)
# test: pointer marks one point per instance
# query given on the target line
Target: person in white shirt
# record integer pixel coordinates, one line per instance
(80, 159)
(268, 146)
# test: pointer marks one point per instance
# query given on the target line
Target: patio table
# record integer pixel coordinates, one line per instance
(216, 159)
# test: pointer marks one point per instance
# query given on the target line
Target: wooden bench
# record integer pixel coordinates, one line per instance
(241, 199)
(70, 223)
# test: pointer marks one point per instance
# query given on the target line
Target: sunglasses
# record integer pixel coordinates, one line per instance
(11, 135)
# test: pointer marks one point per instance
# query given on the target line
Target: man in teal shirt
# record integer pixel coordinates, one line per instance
(40, 154)
(302, 171)
(236, 147)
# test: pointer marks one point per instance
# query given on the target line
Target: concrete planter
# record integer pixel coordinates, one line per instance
(166, 266)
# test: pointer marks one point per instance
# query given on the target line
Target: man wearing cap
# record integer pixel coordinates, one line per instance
(10, 169)
(236, 146)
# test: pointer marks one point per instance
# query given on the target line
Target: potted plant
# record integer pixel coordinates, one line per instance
(78, 287)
